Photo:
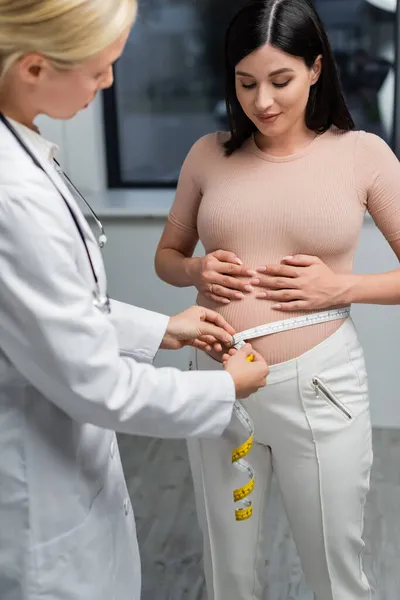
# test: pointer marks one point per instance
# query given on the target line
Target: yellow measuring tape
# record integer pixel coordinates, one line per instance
(241, 494)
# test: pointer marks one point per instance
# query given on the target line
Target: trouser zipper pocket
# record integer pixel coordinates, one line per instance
(321, 388)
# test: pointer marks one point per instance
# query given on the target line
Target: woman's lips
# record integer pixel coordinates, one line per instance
(268, 118)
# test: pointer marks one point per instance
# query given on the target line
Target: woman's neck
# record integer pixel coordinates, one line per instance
(286, 144)
(16, 111)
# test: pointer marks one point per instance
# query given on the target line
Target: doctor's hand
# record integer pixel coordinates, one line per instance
(198, 327)
(248, 375)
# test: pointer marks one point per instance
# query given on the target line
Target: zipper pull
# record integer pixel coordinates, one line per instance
(316, 386)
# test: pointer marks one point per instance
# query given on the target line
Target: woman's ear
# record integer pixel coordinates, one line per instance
(316, 69)
(31, 68)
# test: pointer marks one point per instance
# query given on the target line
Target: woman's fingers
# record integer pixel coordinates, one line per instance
(275, 283)
(218, 299)
(226, 256)
(234, 270)
(224, 292)
(218, 278)
(280, 270)
(281, 295)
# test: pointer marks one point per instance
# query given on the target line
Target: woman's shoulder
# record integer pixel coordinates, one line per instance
(211, 144)
(334, 135)
(370, 154)
(359, 137)
(372, 142)
(205, 154)
(372, 151)
(357, 143)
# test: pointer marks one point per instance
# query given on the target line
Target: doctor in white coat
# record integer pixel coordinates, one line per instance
(74, 366)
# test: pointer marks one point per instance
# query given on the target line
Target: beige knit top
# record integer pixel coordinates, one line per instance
(263, 208)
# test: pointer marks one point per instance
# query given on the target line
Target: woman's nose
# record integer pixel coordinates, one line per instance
(263, 99)
(108, 79)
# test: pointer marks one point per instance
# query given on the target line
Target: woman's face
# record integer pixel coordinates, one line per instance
(60, 94)
(273, 89)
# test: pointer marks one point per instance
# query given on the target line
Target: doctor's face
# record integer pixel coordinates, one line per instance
(61, 93)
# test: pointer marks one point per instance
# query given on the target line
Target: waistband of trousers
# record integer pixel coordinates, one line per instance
(312, 358)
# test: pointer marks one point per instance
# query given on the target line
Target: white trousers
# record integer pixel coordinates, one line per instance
(317, 440)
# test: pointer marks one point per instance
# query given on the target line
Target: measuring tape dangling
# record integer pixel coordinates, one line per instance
(241, 494)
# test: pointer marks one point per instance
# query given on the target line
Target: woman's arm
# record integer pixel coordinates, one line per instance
(378, 176)
(215, 275)
(380, 288)
(174, 261)
(305, 283)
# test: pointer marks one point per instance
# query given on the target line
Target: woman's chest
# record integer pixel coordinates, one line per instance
(282, 208)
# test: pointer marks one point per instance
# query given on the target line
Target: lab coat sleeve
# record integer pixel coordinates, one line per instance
(139, 331)
(68, 349)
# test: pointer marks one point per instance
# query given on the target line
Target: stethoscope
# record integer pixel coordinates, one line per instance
(100, 301)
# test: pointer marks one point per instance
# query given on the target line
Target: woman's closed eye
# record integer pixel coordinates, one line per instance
(281, 84)
(276, 84)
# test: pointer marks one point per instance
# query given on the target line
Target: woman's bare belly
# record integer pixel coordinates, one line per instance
(279, 347)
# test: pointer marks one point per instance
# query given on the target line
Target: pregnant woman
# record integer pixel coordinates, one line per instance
(278, 202)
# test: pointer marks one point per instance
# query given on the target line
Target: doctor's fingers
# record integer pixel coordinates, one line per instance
(201, 345)
(257, 357)
(211, 341)
(220, 335)
(210, 316)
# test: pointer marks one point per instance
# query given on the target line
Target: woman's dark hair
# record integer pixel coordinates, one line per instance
(294, 27)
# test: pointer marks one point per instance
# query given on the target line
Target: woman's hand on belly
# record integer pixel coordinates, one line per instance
(217, 276)
(300, 282)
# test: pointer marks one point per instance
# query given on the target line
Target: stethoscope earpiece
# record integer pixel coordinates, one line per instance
(102, 240)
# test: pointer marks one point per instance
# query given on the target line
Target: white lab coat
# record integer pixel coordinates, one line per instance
(69, 377)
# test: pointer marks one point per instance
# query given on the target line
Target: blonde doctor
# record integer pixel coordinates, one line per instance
(75, 366)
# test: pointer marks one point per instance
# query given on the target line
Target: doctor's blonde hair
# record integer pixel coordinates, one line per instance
(67, 32)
